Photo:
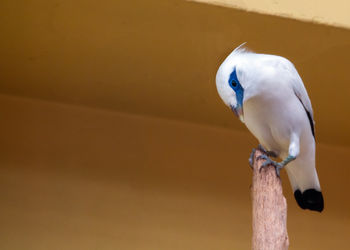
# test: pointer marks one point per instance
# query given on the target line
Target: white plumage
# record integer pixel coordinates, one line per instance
(268, 95)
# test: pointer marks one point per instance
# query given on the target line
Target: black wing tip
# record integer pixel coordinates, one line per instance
(310, 199)
(311, 122)
(309, 116)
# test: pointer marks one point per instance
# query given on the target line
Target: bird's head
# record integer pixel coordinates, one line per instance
(230, 82)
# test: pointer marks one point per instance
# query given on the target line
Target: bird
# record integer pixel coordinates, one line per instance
(268, 95)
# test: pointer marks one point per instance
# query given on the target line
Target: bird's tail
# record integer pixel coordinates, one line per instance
(304, 181)
(309, 199)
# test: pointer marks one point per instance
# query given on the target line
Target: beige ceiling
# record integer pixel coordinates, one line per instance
(335, 12)
(159, 57)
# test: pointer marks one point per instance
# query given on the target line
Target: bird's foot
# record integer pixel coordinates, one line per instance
(266, 152)
(262, 149)
(278, 166)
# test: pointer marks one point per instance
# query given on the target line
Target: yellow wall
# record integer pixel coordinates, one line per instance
(80, 178)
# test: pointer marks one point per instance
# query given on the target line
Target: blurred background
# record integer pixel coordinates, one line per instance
(112, 134)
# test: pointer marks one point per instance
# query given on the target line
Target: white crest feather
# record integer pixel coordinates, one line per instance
(240, 48)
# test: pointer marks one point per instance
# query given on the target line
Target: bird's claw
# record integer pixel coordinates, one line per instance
(251, 158)
(278, 166)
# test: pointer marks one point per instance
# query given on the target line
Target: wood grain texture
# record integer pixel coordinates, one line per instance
(269, 209)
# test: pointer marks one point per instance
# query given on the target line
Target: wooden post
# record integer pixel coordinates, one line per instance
(269, 209)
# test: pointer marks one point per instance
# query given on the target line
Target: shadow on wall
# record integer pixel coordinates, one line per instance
(160, 57)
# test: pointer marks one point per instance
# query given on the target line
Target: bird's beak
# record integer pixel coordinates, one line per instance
(238, 111)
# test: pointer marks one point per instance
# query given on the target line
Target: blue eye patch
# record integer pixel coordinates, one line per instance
(237, 87)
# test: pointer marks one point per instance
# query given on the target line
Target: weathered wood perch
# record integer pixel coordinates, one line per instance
(269, 209)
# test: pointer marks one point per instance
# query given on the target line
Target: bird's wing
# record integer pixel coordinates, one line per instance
(300, 91)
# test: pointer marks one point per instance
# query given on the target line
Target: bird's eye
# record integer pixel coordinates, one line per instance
(234, 84)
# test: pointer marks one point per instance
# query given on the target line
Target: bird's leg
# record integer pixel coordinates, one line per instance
(266, 152)
(293, 152)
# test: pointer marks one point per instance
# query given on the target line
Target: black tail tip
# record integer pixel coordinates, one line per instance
(309, 199)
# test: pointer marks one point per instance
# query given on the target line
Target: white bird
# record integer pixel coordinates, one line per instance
(268, 95)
